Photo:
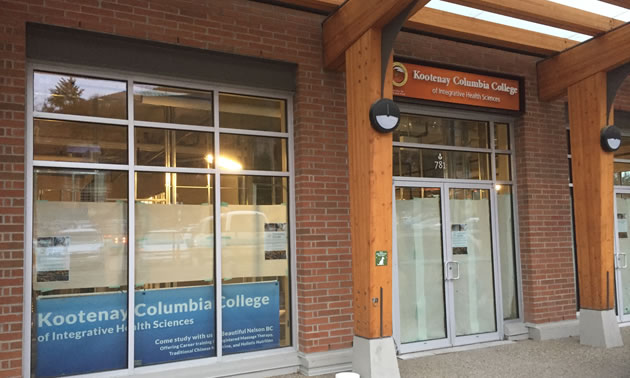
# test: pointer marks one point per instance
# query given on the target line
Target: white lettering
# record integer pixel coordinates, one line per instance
(417, 75)
(473, 84)
(503, 87)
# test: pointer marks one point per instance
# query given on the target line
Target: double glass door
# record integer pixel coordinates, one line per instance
(445, 265)
(622, 253)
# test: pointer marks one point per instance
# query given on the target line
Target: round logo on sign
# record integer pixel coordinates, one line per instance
(400, 74)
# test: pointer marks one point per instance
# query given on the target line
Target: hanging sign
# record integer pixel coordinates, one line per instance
(457, 87)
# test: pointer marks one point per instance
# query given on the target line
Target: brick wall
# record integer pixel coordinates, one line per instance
(240, 27)
(12, 78)
(541, 172)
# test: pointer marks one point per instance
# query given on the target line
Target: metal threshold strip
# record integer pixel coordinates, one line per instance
(435, 352)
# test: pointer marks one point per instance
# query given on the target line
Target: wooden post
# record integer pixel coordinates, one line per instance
(593, 194)
(370, 164)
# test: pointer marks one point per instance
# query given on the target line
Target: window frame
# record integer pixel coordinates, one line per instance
(131, 168)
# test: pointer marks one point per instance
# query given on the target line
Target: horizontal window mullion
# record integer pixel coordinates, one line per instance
(71, 117)
(442, 180)
(273, 134)
(441, 147)
(173, 126)
(256, 173)
(148, 168)
(77, 165)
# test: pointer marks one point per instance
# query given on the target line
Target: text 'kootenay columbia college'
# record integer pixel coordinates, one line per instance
(464, 82)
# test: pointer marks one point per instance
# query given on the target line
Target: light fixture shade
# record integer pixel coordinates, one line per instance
(610, 138)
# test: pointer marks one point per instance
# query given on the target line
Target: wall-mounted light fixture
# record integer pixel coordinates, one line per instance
(384, 115)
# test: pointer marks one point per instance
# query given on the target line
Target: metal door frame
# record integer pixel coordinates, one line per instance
(619, 263)
(450, 340)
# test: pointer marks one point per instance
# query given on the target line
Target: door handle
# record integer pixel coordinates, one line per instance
(449, 270)
(457, 276)
(625, 260)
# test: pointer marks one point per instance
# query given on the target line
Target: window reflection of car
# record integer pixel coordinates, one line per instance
(85, 241)
(243, 228)
(161, 243)
(239, 227)
(85, 244)
(202, 234)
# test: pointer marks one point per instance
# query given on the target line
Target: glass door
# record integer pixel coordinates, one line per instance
(470, 264)
(444, 266)
(622, 249)
(419, 268)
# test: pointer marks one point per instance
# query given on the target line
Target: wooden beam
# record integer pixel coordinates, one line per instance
(619, 3)
(471, 29)
(353, 19)
(600, 54)
(327, 6)
(593, 193)
(370, 170)
(546, 13)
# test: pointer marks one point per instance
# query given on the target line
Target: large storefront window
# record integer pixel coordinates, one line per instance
(161, 189)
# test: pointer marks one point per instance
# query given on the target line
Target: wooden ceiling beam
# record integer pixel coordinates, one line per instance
(600, 54)
(472, 29)
(619, 3)
(355, 17)
(327, 6)
(547, 13)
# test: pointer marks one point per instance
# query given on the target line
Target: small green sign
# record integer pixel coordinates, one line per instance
(381, 258)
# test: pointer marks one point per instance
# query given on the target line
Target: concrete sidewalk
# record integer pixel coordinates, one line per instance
(555, 358)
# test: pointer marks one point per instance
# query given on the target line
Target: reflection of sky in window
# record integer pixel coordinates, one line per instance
(203, 99)
(155, 91)
(45, 82)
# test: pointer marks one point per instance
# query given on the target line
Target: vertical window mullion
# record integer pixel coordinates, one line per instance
(217, 232)
(28, 230)
(292, 255)
(493, 158)
(131, 224)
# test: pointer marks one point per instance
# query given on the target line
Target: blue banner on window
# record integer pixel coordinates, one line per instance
(83, 334)
(250, 317)
(174, 324)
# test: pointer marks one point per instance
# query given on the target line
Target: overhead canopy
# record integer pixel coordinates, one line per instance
(455, 26)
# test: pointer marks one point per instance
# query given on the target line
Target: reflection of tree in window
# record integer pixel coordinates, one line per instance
(65, 96)
(81, 96)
